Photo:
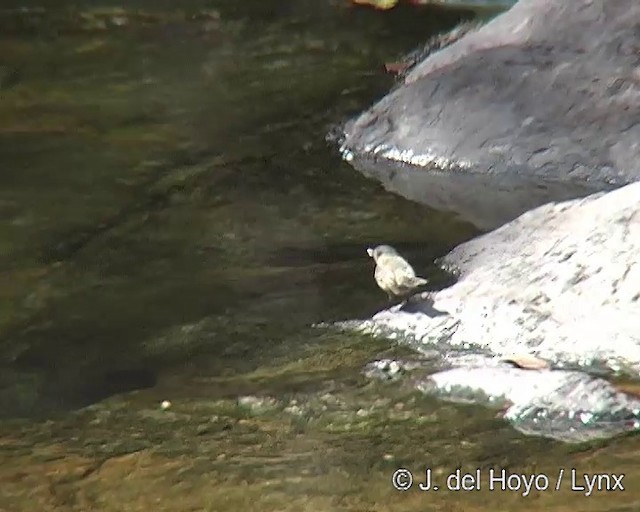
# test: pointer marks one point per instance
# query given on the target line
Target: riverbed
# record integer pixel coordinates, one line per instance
(176, 227)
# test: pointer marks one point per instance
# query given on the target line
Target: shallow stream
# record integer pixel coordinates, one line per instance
(174, 224)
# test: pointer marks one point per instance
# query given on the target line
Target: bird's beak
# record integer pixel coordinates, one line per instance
(370, 252)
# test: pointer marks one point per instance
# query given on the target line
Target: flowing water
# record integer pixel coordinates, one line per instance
(173, 225)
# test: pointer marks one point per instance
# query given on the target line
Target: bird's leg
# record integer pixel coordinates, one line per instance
(395, 300)
(405, 299)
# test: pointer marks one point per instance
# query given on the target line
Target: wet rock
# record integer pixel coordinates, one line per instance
(181, 339)
(388, 369)
(258, 405)
(560, 283)
(564, 405)
(294, 410)
(431, 46)
(537, 105)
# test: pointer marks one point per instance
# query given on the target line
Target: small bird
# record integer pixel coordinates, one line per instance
(393, 273)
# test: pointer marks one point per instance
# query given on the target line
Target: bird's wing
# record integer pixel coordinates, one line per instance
(384, 277)
(403, 272)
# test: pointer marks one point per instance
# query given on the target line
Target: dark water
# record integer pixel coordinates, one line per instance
(174, 223)
(168, 166)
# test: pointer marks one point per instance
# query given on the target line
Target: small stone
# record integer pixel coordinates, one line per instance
(165, 405)
(247, 401)
(387, 456)
(293, 409)
(362, 413)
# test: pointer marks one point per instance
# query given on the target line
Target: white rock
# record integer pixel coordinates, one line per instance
(568, 406)
(561, 282)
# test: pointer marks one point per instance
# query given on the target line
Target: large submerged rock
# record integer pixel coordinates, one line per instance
(568, 406)
(562, 283)
(539, 104)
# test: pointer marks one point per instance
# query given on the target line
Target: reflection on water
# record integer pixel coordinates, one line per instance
(174, 224)
(168, 166)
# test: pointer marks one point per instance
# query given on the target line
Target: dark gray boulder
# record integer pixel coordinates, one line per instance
(542, 103)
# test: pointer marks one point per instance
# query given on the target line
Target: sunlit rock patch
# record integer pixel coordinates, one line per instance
(426, 160)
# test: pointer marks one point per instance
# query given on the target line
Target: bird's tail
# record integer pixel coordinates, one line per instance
(419, 281)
